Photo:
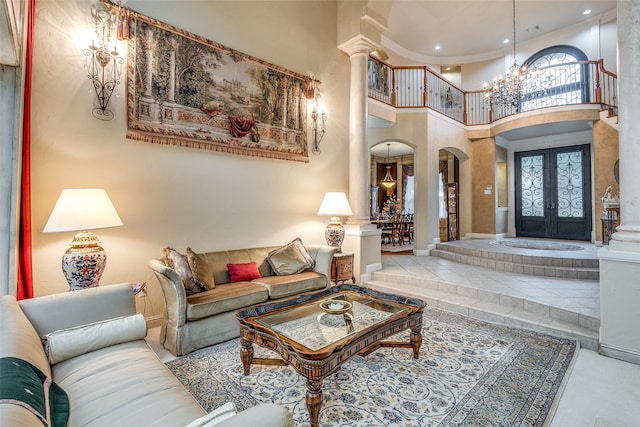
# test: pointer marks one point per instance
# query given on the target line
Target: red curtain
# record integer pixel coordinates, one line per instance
(25, 270)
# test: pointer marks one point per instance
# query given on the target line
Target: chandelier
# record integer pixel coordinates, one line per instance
(388, 182)
(505, 92)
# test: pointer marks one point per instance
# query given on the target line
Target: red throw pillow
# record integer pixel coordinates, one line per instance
(242, 272)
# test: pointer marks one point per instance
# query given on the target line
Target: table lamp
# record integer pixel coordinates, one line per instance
(82, 209)
(335, 204)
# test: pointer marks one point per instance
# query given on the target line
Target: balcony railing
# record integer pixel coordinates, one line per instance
(582, 82)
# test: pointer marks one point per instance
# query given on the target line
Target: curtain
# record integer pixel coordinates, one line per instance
(408, 197)
(25, 270)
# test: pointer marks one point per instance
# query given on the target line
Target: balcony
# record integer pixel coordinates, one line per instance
(573, 83)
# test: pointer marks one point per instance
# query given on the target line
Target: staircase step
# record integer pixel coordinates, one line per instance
(492, 306)
(566, 268)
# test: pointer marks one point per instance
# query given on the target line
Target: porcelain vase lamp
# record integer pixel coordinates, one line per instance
(83, 209)
(335, 205)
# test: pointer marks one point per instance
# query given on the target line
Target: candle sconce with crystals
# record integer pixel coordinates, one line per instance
(103, 61)
(319, 126)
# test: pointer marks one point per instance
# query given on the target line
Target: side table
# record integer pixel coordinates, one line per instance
(342, 267)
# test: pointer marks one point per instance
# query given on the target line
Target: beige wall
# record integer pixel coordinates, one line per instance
(167, 195)
(428, 133)
(483, 199)
(605, 154)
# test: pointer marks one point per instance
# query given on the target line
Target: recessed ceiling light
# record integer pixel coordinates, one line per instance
(586, 12)
(506, 41)
(437, 47)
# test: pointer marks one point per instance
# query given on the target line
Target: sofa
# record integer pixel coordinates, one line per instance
(95, 366)
(196, 320)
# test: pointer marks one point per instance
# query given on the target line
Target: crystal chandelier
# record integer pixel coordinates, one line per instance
(505, 92)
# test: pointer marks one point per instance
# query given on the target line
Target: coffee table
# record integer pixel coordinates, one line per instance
(315, 341)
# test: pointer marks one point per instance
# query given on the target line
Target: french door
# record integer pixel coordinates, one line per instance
(553, 193)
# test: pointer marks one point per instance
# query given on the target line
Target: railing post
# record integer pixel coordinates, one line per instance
(394, 94)
(598, 90)
(425, 97)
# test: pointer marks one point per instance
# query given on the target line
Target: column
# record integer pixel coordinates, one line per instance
(359, 186)
(149, 44)
(620, 261)
(171, 91)
(361, 237)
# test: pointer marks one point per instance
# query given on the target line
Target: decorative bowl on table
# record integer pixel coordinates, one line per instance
(335, 306)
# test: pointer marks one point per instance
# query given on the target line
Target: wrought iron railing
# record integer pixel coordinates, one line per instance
(582, 82)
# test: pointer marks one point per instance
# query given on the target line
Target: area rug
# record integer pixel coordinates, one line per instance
(537, 245)
(470, 373)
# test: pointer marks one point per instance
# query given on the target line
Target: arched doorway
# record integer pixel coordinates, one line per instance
(392, 192)
(449, 195)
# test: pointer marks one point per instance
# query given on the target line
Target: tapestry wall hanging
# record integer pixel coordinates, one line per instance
(188, 91)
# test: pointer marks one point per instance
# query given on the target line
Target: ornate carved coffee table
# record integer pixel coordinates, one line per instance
(315, 335)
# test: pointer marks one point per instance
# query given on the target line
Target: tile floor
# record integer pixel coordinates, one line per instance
(580, 296)
(599, 392)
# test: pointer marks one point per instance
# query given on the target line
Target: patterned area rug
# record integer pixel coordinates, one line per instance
(470, 373)
(538, 245)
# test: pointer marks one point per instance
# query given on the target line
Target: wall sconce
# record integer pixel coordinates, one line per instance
(103, 61)
(319, 126)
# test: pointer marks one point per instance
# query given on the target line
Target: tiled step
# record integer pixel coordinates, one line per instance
(492, 306)
(566, 268)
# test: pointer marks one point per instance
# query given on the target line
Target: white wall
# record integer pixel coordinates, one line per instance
(167, 195)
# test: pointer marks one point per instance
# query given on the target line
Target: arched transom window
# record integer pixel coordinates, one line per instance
(556, 76)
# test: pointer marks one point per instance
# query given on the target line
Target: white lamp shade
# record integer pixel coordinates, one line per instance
(80, 209)
(335, 204)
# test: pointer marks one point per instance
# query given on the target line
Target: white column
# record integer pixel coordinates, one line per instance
(629, 127)
(171, 92)
(149, 44)
(620, 261)
(361, 237)
(359, 184)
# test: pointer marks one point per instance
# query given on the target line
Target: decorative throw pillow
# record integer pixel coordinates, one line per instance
(243, 271)
(216, 416)
(291, 258)
(201, 269)
(180, 264)
(25, 385)
(67, 343)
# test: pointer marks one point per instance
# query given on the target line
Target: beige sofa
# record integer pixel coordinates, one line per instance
(207, 318)
(123, 383)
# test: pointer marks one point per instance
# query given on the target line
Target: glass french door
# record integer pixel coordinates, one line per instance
(553, 193)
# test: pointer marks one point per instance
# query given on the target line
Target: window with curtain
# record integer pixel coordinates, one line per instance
(408, 196)
(442, 202)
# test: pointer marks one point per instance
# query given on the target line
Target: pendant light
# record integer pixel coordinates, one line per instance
(388, 182)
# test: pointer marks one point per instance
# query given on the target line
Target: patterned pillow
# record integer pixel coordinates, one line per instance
(291, 258)
(201, 270)
(180, 264)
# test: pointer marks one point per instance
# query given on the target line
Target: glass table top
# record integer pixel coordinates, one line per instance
(310, 326)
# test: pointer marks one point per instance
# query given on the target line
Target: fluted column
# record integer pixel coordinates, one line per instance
(359, 184)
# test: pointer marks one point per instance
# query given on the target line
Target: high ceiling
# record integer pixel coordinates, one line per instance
(475, 30)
